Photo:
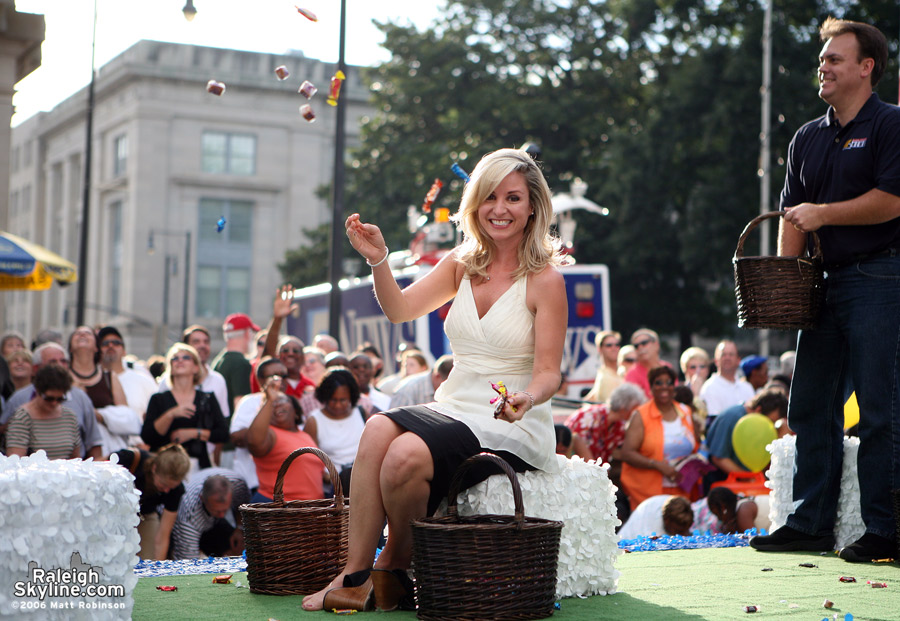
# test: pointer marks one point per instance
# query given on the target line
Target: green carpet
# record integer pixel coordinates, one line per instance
(670, 586)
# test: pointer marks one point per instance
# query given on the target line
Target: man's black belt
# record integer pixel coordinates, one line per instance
(887, 252)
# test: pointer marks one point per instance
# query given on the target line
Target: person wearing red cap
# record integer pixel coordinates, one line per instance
(232, 362)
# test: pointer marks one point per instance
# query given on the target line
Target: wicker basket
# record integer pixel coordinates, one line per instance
(781, 293)
(296, 547)
(485, 566)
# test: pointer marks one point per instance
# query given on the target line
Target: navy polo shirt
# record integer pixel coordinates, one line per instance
(828, 163)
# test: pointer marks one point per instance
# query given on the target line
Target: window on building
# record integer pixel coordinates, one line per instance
(225, 257)
(115, 258)
(229, 154)
(120, 155)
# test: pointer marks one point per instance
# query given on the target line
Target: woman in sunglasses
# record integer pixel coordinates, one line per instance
(184, 413)
(43, 424)
(659, 433)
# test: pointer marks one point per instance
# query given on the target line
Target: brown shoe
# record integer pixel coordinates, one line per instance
(356, 594)
(393, 590)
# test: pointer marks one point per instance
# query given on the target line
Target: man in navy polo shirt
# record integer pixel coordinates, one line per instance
(843, 181)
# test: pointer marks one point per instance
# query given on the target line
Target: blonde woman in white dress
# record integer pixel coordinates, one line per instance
(507, 322)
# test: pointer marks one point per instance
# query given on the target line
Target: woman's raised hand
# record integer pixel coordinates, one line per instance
(366, 239)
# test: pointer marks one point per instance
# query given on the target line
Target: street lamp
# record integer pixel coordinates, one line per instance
(189, 11)
(169, 268)
(81, 296)
(337, 218)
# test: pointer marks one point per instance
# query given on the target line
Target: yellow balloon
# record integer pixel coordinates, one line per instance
(851, 412)
(750, 436)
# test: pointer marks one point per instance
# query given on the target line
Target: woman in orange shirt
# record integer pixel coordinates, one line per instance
(659, 433)
(272, 437)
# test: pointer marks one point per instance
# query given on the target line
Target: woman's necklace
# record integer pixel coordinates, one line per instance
(84, 377)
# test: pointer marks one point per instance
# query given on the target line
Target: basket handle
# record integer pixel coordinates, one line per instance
(335, 479)
(456, 483)
(739, 251)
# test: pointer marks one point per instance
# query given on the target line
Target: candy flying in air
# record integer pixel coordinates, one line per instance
(216, 88)
(307, 13)
(335, 90)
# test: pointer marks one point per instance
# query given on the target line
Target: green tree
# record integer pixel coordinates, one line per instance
(654, 103)
(303, 266)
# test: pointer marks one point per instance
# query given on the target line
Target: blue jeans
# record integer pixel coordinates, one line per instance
(855, 347)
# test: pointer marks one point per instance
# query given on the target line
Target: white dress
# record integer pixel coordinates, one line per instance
(498, 346)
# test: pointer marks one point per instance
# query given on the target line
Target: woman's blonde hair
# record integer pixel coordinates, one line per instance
(171, 462)
(539, 248)
(20, 353)
(188, 349)
(689, 354)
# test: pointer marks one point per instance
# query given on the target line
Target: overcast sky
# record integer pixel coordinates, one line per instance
(269, 26)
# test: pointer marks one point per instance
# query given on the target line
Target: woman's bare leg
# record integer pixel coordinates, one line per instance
(367, 520)
(406, 475)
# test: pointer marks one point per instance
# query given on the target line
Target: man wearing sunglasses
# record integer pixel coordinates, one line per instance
(138, 385)
(646, 345)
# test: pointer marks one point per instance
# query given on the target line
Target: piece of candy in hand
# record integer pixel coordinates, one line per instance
(307, 89)
(282, 72)
(335, 91)
(501, 400)
(432, 196)
(216, 88)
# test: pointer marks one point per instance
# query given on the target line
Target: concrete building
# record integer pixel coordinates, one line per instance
(169, 161)
(21, 35)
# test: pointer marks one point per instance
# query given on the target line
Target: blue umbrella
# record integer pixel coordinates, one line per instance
(24, 265)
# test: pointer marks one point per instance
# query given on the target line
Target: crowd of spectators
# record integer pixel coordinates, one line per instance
(204, 434)
(667, 435)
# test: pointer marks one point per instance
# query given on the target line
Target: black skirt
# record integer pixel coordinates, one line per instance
(451, 442)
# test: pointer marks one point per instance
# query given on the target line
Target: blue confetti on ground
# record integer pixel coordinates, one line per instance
(694, 542)
(189, 567)
(233, 564)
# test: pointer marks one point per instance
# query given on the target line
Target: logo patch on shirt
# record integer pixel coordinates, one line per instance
(855, 143)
